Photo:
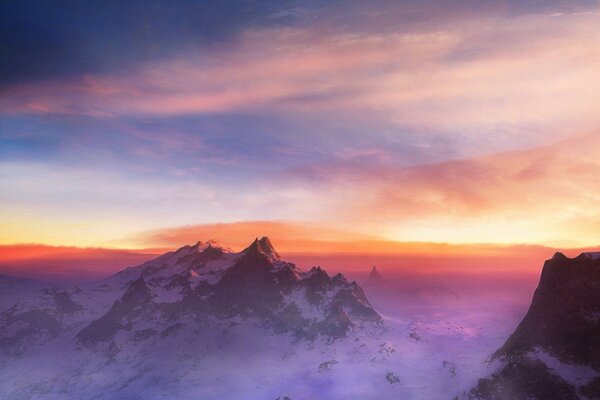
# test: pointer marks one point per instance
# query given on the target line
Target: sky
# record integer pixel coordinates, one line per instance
(136, 125)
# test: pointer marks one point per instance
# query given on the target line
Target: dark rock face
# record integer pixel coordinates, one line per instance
(257, 283)
(290, 319)
(249, 285)
(120, 315)
(64, 303)
(336, 325)
(199, 259)
(264, 246)
(353, 299)
(27, 325)
(563, 321)
(316, 285)
(23, 325)
(564, 316)
(592, 389)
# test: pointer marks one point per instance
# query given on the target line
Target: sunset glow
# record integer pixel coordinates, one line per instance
(294, 200)
(475, 125)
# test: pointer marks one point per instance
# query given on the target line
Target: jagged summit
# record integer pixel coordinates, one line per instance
(201, 246)
(206, 280)
(587, 255)
(263, 246)
(267, 247)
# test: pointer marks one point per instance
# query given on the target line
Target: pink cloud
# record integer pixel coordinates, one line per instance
(527, 72)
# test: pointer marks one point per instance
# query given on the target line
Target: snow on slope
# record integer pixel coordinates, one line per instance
(575, 374)
(163, 330)
(553, 352)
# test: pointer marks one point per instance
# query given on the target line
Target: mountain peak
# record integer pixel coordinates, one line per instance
(375, 278)
(566, 296)
(211, 243)
(560, 327)
(267, 247)
(374, 273)
(263, 246)
(559, 256)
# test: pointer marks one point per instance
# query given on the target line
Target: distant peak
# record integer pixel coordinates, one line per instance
(374, 272)
(375, 277)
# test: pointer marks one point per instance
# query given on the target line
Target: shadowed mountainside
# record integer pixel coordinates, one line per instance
(554, 353)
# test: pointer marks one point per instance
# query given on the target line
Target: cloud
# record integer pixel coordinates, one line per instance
(484, 82)
(49, 40)
(344, 116)
(65, 39)
(292, 235)
(540, 195)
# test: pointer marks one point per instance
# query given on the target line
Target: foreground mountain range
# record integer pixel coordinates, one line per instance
(206, 322)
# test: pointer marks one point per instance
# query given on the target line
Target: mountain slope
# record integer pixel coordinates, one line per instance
(555, 351)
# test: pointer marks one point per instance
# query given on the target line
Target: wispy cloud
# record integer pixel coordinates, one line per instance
(381, 119)
(541, 195)
(480, 75)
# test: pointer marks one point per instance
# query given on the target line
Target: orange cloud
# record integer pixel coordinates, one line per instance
(542, 195)
(290, 236)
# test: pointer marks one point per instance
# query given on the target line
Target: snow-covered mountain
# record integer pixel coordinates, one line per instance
(205, 322)
(154, 324)
(206, 279)
(555, 351)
